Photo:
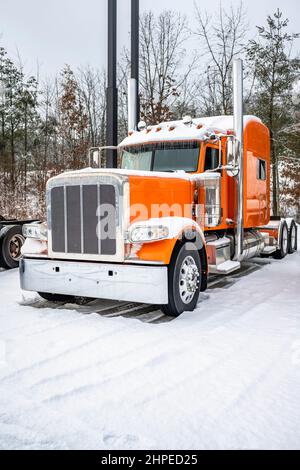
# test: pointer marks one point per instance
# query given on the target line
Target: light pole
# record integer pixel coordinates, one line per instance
(112, 91)
(133, 84)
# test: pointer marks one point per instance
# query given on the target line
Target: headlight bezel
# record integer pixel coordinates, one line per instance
(36, 231)
(143, 233)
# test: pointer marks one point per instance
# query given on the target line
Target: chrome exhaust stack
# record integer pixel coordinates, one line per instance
(239, 132)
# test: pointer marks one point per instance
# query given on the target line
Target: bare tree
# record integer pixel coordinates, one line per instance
(92, 88)
(164, 72)
(221, 39)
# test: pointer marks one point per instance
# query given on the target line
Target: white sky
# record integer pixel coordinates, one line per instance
(56, 32)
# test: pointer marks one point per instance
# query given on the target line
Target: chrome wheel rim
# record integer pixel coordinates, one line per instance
(188, 279)
(15, 245)
(293, 237)
(285, 240)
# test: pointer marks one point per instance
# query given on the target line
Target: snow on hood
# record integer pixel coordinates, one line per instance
(120, 172)
(182, 175)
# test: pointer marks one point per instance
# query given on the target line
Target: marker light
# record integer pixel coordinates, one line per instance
(187, 120)
(35, 230)
(142, 126)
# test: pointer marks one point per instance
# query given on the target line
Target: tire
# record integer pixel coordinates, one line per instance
(293, 232)
(11, 242)
(57, 298)
(284, 242)
(185, 262)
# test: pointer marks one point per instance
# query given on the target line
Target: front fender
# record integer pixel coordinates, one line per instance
(180, 228)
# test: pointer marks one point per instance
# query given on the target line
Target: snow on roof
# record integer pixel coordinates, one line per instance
(177, 130)
(223, 123)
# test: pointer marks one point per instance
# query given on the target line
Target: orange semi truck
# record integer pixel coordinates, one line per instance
(190, 198)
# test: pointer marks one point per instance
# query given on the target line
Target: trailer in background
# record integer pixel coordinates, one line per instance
(11, 242)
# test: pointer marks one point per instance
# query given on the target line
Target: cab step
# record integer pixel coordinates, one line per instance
(225, 268)
(268, 250)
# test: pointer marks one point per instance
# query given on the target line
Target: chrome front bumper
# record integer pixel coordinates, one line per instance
(132, 283)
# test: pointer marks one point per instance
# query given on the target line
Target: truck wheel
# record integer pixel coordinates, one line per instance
(184, 281)
(57, 297)
(284, 242)
(293, 232)
(11, 242)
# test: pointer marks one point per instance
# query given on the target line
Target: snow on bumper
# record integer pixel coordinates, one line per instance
(133, 283)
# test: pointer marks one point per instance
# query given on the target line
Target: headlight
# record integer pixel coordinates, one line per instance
(144, 233)
(34, 230)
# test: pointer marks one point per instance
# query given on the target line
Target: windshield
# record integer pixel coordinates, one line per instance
(171, 156)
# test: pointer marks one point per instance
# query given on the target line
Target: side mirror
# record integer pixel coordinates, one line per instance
(232, 154)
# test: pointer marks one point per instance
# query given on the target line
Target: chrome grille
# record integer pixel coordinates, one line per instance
(80, 224)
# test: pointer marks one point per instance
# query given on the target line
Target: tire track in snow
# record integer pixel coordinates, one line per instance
(135, 371)
(231, 408)
(76, 391)
(133, 352)
(108, 362)
(77, 347)
(43, 330)
(59, 355)
(46, 361)
(239, 347)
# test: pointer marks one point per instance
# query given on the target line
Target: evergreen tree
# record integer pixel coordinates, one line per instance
(19, 122)
(275, 72)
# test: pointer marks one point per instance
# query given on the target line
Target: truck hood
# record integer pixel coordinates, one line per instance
(147, 191)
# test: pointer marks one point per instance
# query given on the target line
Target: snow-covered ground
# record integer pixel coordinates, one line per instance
(225, 376)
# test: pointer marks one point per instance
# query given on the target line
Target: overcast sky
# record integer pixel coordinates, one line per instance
(56, 32)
